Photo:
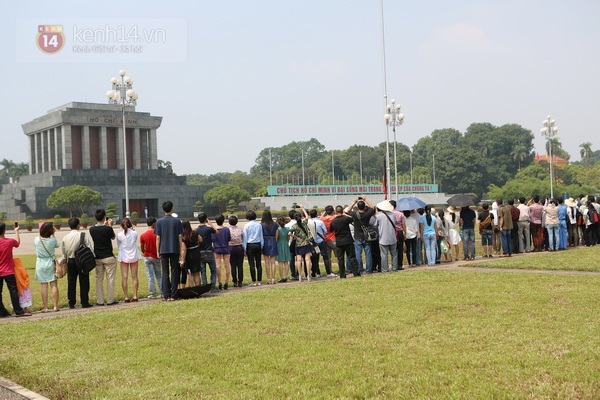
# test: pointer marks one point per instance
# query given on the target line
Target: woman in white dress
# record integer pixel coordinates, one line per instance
(129, 255)
(453, 235)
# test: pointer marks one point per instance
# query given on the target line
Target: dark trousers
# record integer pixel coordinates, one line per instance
(11, 284)
(537, 232)
(293, 259)
(411, 251)
(170, 277)
(400, 245)
(347, 250)
(515, 237)
(84, 284)
(573, 235)
(314, 260)
(253, 251)
(591, 235)
(236, 259)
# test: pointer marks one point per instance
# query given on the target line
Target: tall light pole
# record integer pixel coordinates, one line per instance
(411, 173)
(393, 118)
(550, 130)
(122, 94)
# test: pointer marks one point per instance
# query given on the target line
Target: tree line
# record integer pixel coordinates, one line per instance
(481, 160)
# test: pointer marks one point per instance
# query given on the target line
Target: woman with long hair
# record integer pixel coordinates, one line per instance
(283, 249)
(303, 245)
(269, 249)
(221, 244)
(190, 256)
(44, 265)
(453, 234)
(129, 255)
(427, 228)
(443, 231)
(236, 256)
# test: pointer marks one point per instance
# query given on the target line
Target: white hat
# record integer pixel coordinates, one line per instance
(570, 202)
(174, 215)
(385, 206)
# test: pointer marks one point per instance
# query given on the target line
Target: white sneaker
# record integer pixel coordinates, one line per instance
(332, 275)
(252, 284)
(257, 283)
(151, 296)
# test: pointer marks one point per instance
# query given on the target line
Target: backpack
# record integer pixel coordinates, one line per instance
(485, 224)
(371, 234)
(84, 256)
(593, 216)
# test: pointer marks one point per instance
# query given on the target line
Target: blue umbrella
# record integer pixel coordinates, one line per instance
(409, 203)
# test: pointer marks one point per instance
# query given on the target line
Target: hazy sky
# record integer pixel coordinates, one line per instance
(233, 77)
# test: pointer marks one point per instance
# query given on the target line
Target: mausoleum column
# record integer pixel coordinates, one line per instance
(44, 148)
(137, 158)
(67, 160)
(103, 148)
(54, 135)
(153, 153)
(85, 147)
(34, 155)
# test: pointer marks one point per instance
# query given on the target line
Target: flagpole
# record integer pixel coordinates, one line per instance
(387, 130)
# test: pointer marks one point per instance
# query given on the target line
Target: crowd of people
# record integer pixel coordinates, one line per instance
(364, 238)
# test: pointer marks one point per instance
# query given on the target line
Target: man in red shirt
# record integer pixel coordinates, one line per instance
(7, 272)
(151, 260)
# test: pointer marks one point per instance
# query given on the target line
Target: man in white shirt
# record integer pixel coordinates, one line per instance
(69, 244)
(318, 231)
(386, 227)
(523, 225)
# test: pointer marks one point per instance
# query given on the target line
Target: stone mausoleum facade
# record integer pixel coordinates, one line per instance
(82, 143)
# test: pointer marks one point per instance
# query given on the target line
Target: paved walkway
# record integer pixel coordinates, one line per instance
(11, 391)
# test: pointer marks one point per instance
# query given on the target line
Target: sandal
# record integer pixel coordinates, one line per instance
(126, 300)
(134, 300)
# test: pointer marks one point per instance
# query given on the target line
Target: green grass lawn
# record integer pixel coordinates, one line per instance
(415, 334)
(575, 259)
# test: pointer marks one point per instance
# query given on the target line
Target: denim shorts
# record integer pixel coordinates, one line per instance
(486, 237)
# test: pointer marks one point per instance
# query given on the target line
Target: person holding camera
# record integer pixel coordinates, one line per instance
(7, 272)
(362, 218)
(304, 246)
(106, 264)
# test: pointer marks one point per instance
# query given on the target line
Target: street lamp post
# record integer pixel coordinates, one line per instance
(122, 94)
(550, 130)
(393, 118)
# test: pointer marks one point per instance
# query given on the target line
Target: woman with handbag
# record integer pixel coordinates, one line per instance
(304, 247)
(45, 267)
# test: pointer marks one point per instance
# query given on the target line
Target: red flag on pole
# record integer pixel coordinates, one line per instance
(384, 180)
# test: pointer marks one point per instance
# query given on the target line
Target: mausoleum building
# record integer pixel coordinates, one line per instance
(82, 143)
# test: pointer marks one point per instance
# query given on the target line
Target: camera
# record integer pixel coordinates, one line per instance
(16, 224)
(360, 198)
